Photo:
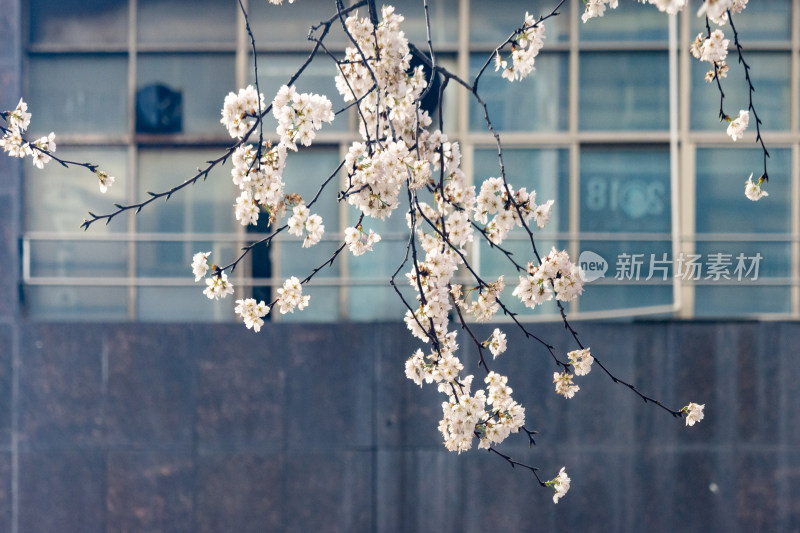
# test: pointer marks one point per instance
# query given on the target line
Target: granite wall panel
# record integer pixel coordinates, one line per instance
(212, 428)
(6, 384)
(62, 491)
(9, 289)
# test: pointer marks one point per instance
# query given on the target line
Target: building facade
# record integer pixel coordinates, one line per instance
(129, 402)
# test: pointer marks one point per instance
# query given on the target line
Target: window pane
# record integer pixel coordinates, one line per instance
(537, 103)
(96, 259)
(78, 22)
(770, 75)
(726, 301)
(767, 20)
(79, 93)
(373, 303)
(187, 21)
(443, 15)
(202, 80)
(625, 189)
(163, 259)
(59, 199)
(77, 303)
(322, 307)
(628, 22)
(178, 304)
(491, 26)
(721, 204)
(206, 206)
(288, 25)
(624, 91)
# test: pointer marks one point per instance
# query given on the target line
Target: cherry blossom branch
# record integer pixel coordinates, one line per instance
(716, 70)
(751, 90)
(91, 167)
(266, 240)
(512, 38)
(515, 464)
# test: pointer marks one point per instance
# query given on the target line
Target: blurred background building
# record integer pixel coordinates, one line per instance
(130, 402)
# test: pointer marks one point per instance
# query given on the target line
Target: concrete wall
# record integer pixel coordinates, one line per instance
(137, 427)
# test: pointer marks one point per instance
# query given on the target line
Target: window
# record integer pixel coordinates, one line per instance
(619, 129)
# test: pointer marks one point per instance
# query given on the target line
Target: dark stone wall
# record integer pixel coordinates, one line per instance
(212, 428)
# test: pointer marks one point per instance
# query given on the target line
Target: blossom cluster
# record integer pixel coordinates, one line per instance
(259, 176)
(712, 49)
(303, 224)
(581, 361)
(15, 145)
(557, 274)
(524, 50)
(290, 296)
(753, 191)
(398, 153)
(359, 242)
(694, 413)
(252, 313)
(597, 8)
(560, 483)
(240, 111)
(300, 115)
(717, 10)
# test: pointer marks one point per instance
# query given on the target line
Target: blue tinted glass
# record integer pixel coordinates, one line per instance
(59, 199)
(734, 301)
(206, 206)
(95, 259)
(491, 26)
(178, 304)
(762, 20)
(90, 96)
(731, 273)
(323, 306)
(721, 204)
(78, 22)
(161, 259)
(537, 103)
(289, 25)
(202, 80)
(443, 15)
(628, 22)
(624, 91)
(372, 303)
(770, 76)
(614, 95)
(625, 189)
(187, 21)
(77, 303)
